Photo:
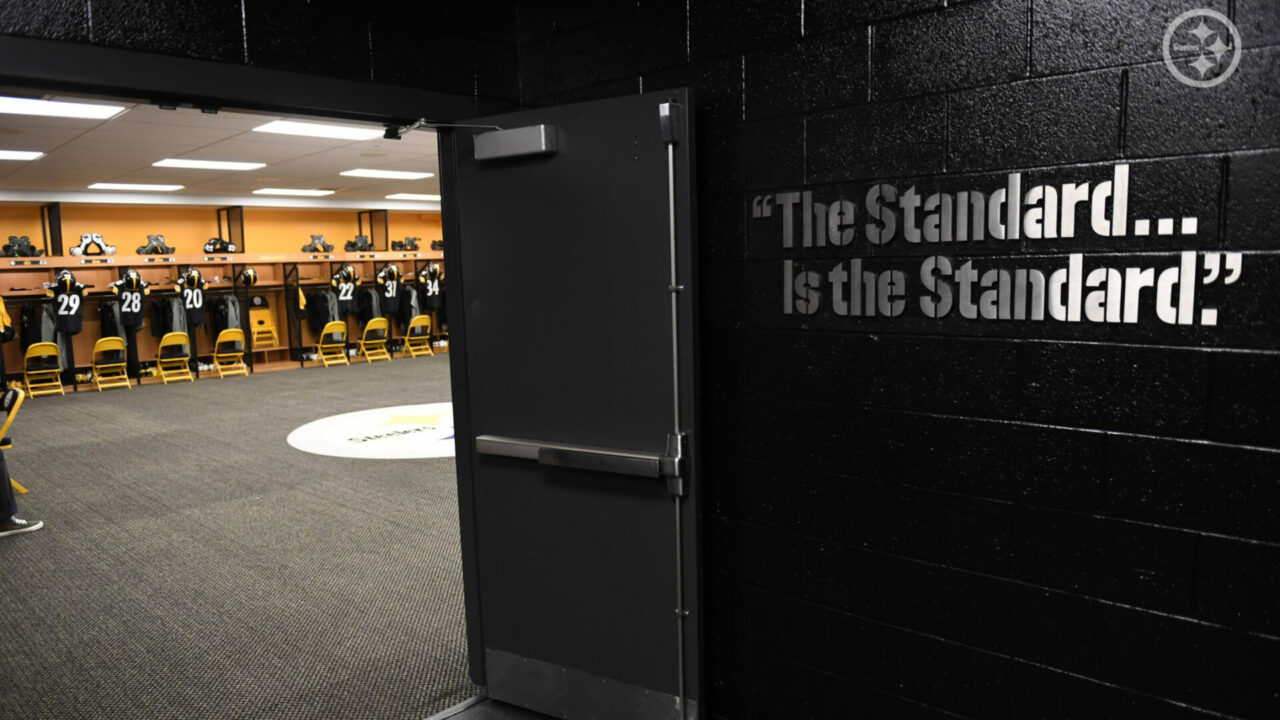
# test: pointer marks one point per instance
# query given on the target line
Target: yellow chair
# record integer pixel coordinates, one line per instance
(262, 324)
(109, 364)
(228, 353)
(417, 337)
(172, 358)
(42, 369)
(373, 343)
(332, 347)
(12, 400)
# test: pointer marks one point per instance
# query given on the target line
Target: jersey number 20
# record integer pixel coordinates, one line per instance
(193, 298)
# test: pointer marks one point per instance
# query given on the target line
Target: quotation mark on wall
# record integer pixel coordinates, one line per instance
(1214, 265)
(762, 206)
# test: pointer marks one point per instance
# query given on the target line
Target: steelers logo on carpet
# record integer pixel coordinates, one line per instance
(401, 432)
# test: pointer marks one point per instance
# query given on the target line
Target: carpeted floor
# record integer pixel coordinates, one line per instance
(196, 566)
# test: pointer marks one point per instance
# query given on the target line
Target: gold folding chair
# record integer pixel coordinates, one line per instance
(109, 369)
(228, 353)
(332, 347)
(42, 369)
(173, 357)
(373, 342)
(417, 337)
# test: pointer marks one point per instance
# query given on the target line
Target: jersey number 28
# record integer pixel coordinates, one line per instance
(131, 302)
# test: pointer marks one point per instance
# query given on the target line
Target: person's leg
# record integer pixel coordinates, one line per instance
(10, 523)
(8, 503)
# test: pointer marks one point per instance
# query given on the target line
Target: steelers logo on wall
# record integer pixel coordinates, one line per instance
(391, 433)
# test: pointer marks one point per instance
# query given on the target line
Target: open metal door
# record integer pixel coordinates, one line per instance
(570, 258)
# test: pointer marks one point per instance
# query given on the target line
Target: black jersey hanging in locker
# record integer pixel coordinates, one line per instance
(131, 290)
(191, 288)
(388, 279)
(430, 287)
(344, 283)
(68, 302)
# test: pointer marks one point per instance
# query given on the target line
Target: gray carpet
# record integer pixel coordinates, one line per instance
(196, 566)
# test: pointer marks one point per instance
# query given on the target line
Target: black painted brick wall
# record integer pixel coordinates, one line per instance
(461, 48)
(926, 519)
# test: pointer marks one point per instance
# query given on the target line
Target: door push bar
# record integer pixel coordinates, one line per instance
(589, 457)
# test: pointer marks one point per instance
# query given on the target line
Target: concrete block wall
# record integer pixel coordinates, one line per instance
(942, 518)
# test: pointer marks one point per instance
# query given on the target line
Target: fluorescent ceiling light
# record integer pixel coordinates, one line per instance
(411, 196)
(387, 174)
(291, 191)
(20, 154)
(135, 186)
(207, 164)
(53, 108)
(321, 130)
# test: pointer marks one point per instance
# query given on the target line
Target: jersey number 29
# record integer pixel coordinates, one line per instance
(68, 304)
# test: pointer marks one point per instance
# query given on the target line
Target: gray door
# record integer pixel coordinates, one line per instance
(573, 359)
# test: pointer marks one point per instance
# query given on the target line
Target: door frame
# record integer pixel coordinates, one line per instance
(145, 77)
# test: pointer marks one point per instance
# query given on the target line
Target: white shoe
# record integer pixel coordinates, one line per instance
(17, 526)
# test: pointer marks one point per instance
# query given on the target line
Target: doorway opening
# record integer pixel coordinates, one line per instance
(276, 541)
(577, 492)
